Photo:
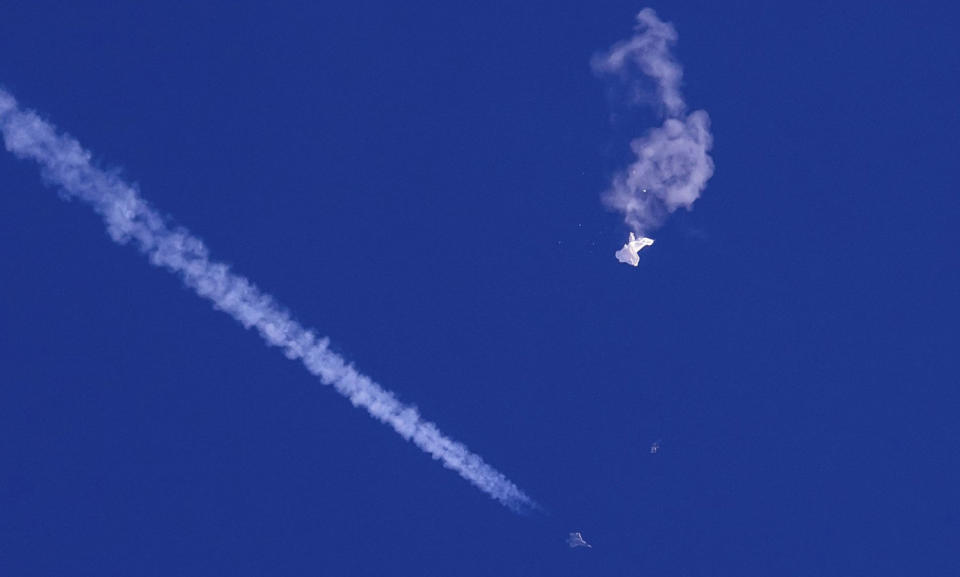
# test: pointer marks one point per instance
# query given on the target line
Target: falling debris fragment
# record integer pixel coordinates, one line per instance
(576, 540)
(628, 254)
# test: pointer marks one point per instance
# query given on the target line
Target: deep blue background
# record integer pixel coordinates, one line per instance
(420, 182)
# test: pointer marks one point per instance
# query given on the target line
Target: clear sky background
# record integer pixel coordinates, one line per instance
(420, 182)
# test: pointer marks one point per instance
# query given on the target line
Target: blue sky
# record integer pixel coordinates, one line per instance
(421, 183)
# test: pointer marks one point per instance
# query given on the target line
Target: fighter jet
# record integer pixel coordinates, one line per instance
(628, 254)
(576, 540)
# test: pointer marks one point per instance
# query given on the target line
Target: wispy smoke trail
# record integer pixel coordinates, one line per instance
(129, 218)
(672, 163)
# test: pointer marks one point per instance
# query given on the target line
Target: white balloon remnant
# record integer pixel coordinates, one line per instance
(628, 254)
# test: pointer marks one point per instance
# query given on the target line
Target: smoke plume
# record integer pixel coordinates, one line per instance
(672, 164)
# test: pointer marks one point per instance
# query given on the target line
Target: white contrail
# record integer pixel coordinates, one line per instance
(672, 163)
(128, 217)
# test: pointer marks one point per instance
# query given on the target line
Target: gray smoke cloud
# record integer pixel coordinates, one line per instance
(131, 220)
(672, 164)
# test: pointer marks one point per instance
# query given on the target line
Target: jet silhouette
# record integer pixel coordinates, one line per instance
(576, 540)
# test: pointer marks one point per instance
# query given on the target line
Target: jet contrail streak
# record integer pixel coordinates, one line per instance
(129, 218)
